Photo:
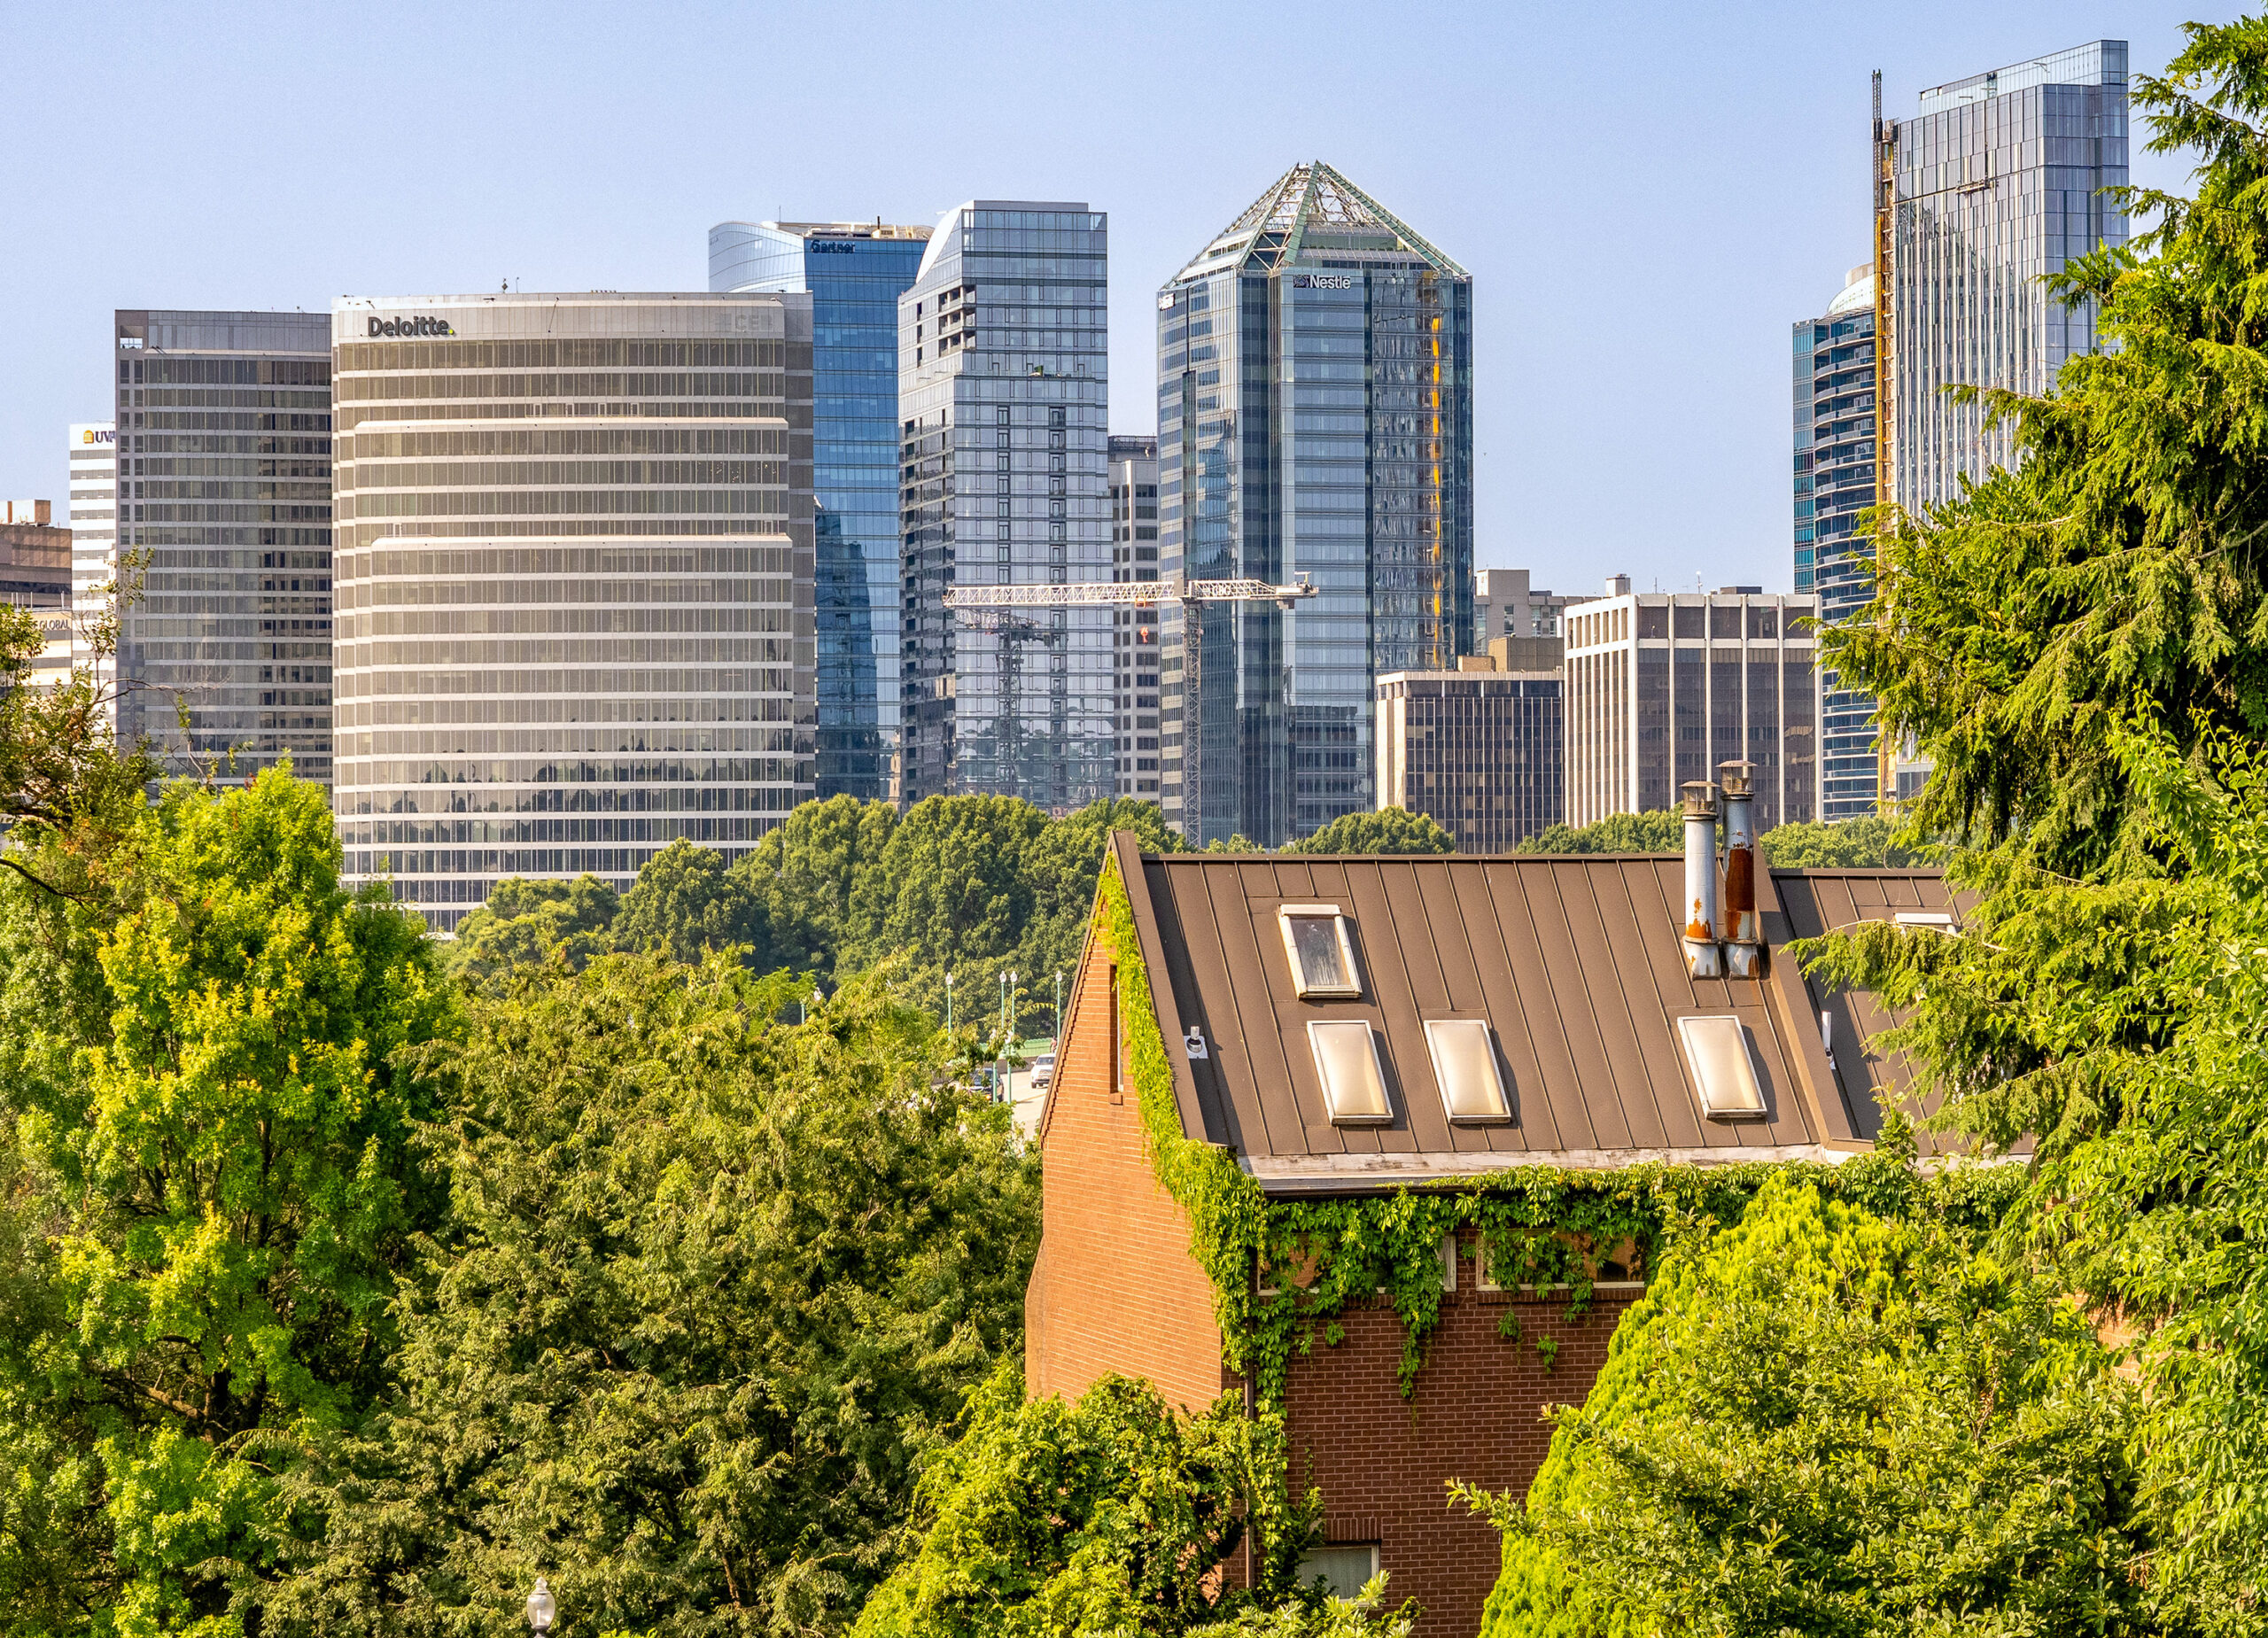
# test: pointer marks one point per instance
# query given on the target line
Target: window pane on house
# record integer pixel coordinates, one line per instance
(1343, 1570)
(1347, 1062)
(1321, 954)
(1724, 1069)
(1465, 1064)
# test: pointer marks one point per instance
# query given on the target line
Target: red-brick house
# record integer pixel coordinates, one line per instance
(1340, 1028)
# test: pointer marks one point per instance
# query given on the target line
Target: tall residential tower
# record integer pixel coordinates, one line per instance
(574, 583)
(1996, 182)
(854, 273)
(1003, 405)
(1315, 419)
(223, 481)
(1836, 437)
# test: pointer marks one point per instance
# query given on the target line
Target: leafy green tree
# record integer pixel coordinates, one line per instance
(1662, 831)
(951, 891)
(1389, 830)
(716, 1288)
(2081, 647)
(216, 1204)
(1063, 863)
(806, 875)
(1823, 1422)
(1115, 1515)
(1871, 843)
(686, 902)
(530, 921)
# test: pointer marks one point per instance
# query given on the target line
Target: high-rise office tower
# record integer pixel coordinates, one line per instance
(224, 449)
(574, 583)
(94, 532)
(1996, 181)
(1506, 605)
(854, 273)
(1314, 419)
(1003, 405)
(1482, 750)
(1663, 687)
(1837, 442)
(1133, 558)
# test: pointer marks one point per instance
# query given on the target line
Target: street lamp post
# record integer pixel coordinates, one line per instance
(541, 1606)
(1058, 1031)
(949, 1000)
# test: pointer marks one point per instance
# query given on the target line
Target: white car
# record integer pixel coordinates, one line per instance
(1043, 1071)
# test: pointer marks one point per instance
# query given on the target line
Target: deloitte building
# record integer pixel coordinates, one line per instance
(574, 583)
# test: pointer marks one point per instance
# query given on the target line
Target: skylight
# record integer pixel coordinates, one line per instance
(1717, 1051)
(1347, 1061)
(1321, 951)
(1465, 1064)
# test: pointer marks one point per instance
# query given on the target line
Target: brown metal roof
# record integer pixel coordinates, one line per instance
(1575, 963)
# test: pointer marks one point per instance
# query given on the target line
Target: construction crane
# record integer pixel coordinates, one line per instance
(1107, 594)
(1174, 590)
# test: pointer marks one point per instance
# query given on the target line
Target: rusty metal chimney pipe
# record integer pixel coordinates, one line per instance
(1743, 935)
(1703, 959)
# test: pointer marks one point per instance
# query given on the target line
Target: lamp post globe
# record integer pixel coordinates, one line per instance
(541, 1606)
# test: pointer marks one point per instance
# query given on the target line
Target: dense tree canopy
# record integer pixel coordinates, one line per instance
(1113, 1515)
(714, 1287)
(1869, 843)
(219, 1193)
(2081, 646)
(1389, 830)
(1822, 1422)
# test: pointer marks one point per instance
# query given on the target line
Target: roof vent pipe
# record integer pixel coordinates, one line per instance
(1701, 957)
(1743, 941)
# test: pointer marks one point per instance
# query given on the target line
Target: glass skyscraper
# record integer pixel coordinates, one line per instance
(1002, 406)
(854, 273)
(1999, 180)
(574, 583)
(1315, 418)
(1134, 557)
(1835, 438)
(223, 478)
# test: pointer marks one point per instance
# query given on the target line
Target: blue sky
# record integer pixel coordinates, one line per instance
(1646, 196)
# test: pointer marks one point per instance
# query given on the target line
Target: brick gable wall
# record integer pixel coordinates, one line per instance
(1383, 1461)
(1114, 1288)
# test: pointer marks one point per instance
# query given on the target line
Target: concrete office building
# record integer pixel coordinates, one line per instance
(1836, 444)
(223, 428)
(1003, 405)
(1664, 687)
(1314, 419)
(1482, 750)
(93, 455)
(1505, 605)
(854, 273)
(1133, 558)
(1997, 180)
(35, 574)
(575, 583)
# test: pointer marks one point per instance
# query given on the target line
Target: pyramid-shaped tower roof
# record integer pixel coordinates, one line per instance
(1312, 211)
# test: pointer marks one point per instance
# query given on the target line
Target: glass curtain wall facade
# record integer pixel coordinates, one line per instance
(1003, 407)
(575, 584)
(1837, 442)
(854, 273)
(94, 533)
(1663, 687)
(222, 430)
(1133, 559)
(1482, 753)
(1999, 180)
(1314, 419)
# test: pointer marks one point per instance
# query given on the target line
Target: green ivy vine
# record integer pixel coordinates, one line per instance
(1284, 1272)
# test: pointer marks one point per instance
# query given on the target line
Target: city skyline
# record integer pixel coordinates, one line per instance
(1581, 222)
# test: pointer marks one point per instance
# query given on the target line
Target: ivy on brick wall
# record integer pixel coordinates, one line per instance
(1285, 1271)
